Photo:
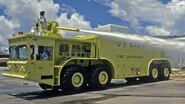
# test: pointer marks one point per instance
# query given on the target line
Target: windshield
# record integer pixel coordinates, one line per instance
(18, 52)
(22, 53)
(13, 53)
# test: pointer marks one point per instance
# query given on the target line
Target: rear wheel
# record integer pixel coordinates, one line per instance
(73, 79)
(165, 72)
(100, 77)
(154, 73)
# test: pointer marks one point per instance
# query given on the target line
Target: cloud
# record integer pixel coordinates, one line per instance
(6, 28)
(157, 31)
(25, 11)
(74, 21)
(168, 18)
(67, 8)
(20, 14)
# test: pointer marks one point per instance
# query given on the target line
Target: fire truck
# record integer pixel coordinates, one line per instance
(72, 64)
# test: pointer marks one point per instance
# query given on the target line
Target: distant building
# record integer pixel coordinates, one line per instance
(112, 28)
(3, 59)
(2, 55)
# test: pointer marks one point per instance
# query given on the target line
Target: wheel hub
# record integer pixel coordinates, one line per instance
(77, 79)
(155, 73)
(103, 77)
(166, 72)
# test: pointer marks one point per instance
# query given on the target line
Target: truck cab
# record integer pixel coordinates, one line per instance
(37, 58)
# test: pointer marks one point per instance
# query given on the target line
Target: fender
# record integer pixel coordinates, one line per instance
(60, 67)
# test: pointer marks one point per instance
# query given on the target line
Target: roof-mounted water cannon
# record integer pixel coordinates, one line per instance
(53, 27)
(68, 29)
(44, 27)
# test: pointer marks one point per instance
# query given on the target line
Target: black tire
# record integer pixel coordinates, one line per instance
(165, 72)
(154, 73)
(98, 72)
(68, 76)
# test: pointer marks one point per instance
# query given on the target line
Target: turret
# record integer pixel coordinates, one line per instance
(53, 28)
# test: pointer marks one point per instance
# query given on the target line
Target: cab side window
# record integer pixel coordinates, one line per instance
(86, 51)
(64, 49)
(76, 50)
(45, 53)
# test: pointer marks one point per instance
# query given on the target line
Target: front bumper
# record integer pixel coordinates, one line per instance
(13, 75)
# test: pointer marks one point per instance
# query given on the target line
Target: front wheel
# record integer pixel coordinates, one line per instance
(73, 79)
(100, 77)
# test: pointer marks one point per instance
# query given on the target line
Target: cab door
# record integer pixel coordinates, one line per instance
(41, 64)
(44, 63)
(32, 58)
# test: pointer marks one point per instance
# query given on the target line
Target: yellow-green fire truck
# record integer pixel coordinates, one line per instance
(66, 64)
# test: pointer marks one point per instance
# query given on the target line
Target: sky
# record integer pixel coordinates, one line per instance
(144, 17)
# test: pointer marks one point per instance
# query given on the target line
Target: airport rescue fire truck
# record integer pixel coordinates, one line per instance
(71, 64)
